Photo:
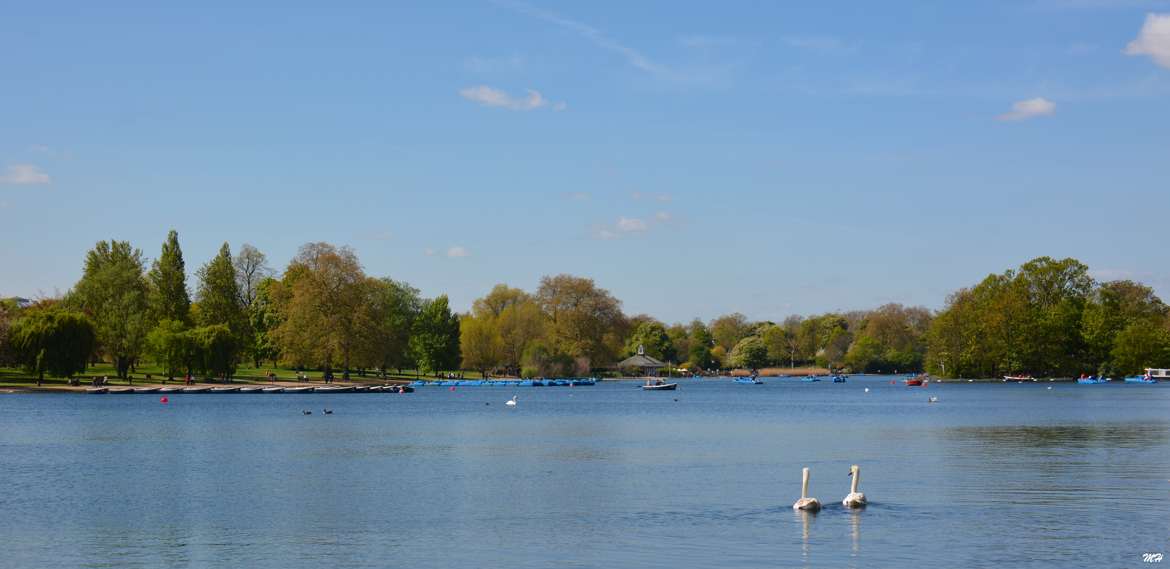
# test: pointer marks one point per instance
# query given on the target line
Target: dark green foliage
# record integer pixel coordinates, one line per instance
(55, 341)
(652, 336)
(169, 299)
(217, 350)
(219, 294)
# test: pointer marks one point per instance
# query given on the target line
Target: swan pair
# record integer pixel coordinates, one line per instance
(855, 499)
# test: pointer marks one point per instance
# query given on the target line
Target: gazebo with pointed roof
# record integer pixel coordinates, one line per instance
(648, 364)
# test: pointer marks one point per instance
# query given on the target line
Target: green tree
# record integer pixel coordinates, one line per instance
(728, 330)
(480, 342)
(652, 336)
(169, 299)
(217, 350)
(113, 293)
(520, 325)
(585, 321)
(1141, 345)
(219, 294)
(55, 341)
(434, 339)
(172, 347)
(701, 356)
(750, 353)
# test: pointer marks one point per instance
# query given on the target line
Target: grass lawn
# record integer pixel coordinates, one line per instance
(16, 377)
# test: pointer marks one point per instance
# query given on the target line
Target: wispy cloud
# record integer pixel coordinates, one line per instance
(458, 252)
(631, 225)
(577, 196)
(24, 175)
(1153, 40)
(491, 97)
(663, 216)
(1029, 108)
(632, 56)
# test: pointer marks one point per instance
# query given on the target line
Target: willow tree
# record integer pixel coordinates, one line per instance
(55, 341)
(113, 293)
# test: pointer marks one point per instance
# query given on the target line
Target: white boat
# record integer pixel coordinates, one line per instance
(146, 390)
(299, 389)
(225, 389)
(170, 389)
(659, 385)
(251, 389)
(196, 389)
(273, 390)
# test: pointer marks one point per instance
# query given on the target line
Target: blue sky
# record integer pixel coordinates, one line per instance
(693, 158)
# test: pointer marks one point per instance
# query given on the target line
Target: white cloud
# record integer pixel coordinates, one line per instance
(1029, 108)
(662, 216)
(24, 175)
(663, 198)
(606, 234)
(457, 252)
(630, 225)
(1153, 40)
(491, 97)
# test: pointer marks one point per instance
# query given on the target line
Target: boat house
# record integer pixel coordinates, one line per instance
(649, 366)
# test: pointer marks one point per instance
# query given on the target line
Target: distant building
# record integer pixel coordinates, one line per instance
(648, 365)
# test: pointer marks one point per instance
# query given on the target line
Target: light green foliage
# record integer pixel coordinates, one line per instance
(113, 293)
(585, 321)
(169, 299)
(480, 342)
(434, 340)
(172, 346)
(750, 353)
(1141, 345)
(52, 340)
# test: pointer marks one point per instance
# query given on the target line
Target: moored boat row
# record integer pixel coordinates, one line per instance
(553, 382)
(255, 389)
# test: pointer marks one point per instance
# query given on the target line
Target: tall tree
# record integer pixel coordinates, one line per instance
(701, 356)
(251, 266)
(219, 295)
(652, 336)
(584, 320)
(323, 304)
(520, 325)
(169, 299)
(434, 339)
(113, 293)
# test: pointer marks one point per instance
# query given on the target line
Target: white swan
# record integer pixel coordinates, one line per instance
(867, 390)
(805, 503)
(932, 399)
(855, 499)
(511, 402)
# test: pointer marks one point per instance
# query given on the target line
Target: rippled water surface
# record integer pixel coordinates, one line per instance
(607, 476)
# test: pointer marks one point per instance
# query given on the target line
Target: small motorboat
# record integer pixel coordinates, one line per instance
(1018, 378)
(308, 389)
(272, 390)
(584, 381)
(196, 389)
(173, 389)
(225, 389)
(1093, 380)
(659, 385)
(916, 381)
(748, 380)
(810, 378)
(146, 390)
(838, 379)
(335, 389)
(255, 389)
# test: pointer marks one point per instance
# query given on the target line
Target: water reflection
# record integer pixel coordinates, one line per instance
(1120, 435)
(855, 530)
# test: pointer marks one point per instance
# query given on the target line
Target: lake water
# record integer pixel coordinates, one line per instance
(607, 476)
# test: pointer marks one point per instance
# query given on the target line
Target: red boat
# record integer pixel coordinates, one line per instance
(917, 381)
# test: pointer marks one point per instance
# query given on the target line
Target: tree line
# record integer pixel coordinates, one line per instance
(323, 312)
